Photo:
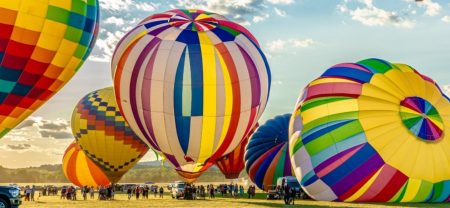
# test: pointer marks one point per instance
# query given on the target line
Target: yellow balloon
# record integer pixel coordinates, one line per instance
(104, 135)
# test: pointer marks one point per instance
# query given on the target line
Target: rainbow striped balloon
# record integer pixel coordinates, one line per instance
(233, 163)
(80, 170)
(42, 45)
(372, 131)
(191, 84)
(267, 154)
(104, 135)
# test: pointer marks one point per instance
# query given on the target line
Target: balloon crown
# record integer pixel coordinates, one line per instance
(194, 20)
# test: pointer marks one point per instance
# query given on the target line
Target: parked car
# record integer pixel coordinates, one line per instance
(292, 182)
(178, 189)
(9, 197)
(273, 193)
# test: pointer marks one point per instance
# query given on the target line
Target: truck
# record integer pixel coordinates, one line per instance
(9, 197)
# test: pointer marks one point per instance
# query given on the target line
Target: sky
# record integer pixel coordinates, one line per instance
(301, 38)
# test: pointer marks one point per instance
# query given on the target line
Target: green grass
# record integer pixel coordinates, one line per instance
(260, 201)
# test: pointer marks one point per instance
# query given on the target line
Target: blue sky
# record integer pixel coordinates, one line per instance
(302, 38)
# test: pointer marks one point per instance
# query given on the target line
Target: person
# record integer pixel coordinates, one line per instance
(211, 192)
(235, 190)
(155, 191)
(113, 192)
(145, 192)
(84, 191)
(241, 191)
(249, 191)
(74, 193)
(108, 193)
(129, 192)
(161, 192)
(91, 191)
(138, 192)
(287, 191)
(63, 192)
(194, 192)
(292, 195)
(69, 193)
(27, 193)
(33, 189)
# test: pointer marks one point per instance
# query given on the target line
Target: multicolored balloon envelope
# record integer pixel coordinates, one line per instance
(267, 154)
(104, 135)
(42, 45)
(190, 177)
(372, 131)
(80, 170)
(233, 163)
(191, 84)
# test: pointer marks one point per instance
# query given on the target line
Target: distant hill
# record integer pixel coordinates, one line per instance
(142, 172)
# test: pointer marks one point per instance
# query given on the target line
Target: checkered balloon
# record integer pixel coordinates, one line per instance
(42, 45)
(104, 135)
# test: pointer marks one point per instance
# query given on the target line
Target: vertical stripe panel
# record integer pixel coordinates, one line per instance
(182, 125)
(209, 97)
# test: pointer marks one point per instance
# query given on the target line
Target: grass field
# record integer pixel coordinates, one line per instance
(122, 202)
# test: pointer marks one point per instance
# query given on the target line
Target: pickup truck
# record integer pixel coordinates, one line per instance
(9, 197)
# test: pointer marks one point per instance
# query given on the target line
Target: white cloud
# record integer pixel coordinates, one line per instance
(446, 19)
(261, 18)
(114, 20)
(281, 45)
(115, 5)
(371, 15)
(276, 45)
(241, 11)
(56, 129)
(147, 7)
(281, 1)
(107, 46)
(280, 12)
(303, 43)
(431, 8)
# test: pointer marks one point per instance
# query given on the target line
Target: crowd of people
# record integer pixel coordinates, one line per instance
(29, 193)
(190, 192)
(69, 193)
(143, 191)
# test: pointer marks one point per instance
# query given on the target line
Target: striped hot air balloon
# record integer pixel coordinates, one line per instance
(267, 154)
(104, 135)
(233, 163)
(372, 131)
(190, 177)
(42, 45)
(191, 84)
(80, 170)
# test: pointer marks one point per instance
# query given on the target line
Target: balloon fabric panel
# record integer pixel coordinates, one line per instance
(363, 132)
(80, 170)
(191, 89)
(267, 155)
(42, 45)
(104, 135)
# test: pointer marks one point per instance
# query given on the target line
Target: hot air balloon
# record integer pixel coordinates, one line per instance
(104, 135)
(80, 170)
(372, 131)
(191, 84)
(190, 177)
(233, 163)
(267, 154)
(42, 45)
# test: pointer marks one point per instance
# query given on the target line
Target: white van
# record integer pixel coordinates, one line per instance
(178, 189)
